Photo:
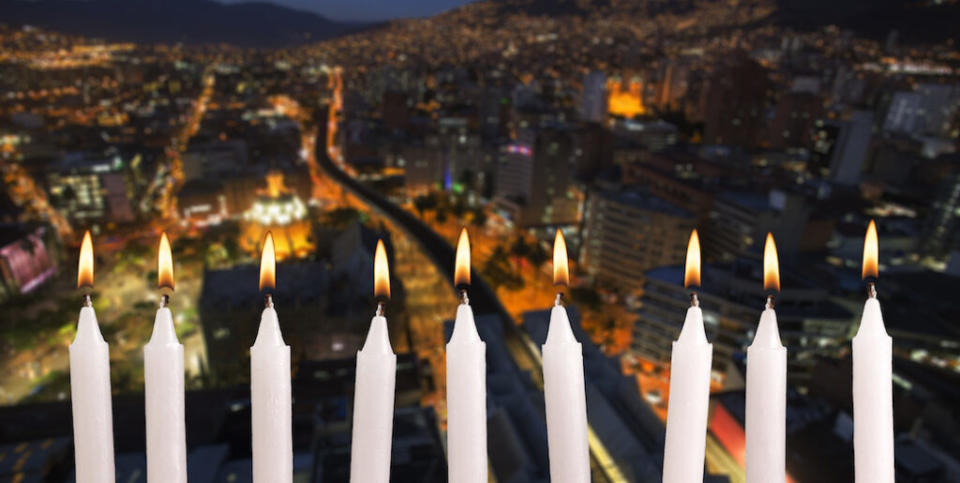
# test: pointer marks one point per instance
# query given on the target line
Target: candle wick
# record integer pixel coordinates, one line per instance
(87, 302)
(559, 299)
(770, 301)
(379, 309)
(164, 300)
(872, 290)
(694, 300)
(268, 301)
(464, 299)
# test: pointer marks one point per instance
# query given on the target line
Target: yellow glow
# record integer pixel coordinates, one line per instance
(871, 256)
(164, 264)
(626, 102)
(771, 265)
(692, 274)
(85, 268)
(268, 264)
(561, 273)
(461, 272)
(381, 272)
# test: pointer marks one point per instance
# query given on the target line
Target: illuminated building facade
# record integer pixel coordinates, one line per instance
(625, 99)
(25, 260)
(92, 188)
(280, 211)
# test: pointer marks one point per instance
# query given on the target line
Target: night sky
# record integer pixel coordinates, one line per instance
(369, 10)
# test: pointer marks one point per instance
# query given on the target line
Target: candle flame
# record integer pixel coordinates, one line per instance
(871, 257)
(164, 264)
(692, 274)
(381, 272)
(461, 273)
(771, 265)
(85, 268)
(268, 264)
(561, 273)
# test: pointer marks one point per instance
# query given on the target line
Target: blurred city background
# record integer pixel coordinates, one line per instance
(626, 124)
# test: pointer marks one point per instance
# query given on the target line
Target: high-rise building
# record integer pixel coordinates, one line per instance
(593, 98)
(793, 119)
(732, 298)
(28, 258)
(735, 104)
(629, 231)
(839, 148)
(740, 220)
(535, 182)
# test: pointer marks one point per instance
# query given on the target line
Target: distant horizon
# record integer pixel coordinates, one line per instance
(366, 10)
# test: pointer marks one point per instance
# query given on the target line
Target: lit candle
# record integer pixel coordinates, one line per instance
(373, 393)
(767, 387)
(90, 386)
(689, 386)
(270, 398)
(872, 382)
(466, 385)
(563, 389)
(163, 381)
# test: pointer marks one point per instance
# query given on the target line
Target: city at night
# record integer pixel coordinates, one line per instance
(516, 241)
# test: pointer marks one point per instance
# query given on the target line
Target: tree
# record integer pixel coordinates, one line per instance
(519, 248)
(424, 203)
(498, 271)
(538, 256)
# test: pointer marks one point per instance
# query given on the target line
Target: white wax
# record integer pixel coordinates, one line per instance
(466, 401)
(872, 398)
(565, 401)
(92, 408)
(271, 403)
(373, 407)
(766, 417)
(689, 400)
(163, 381)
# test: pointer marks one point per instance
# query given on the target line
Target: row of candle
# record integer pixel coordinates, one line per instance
(564, 393)
(766, 382)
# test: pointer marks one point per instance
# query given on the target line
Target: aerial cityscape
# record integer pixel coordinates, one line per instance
(625, 125)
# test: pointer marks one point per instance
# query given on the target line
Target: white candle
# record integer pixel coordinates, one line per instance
(90, 388)
(689, 400)
(563, 388)
(766, 403)
(373, 407)
(766, 410)
(565, 402)
(690, 362)
(466, 401)
(872, 386)
(466, 386)
(163, 380)
(271, 402)
(374, 391)
(270, 398)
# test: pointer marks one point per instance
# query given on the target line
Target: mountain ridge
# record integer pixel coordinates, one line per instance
(252, 24)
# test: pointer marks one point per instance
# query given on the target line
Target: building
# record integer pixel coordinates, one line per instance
(942, 225)
(90, 188)
(740, 220)
(810, 323)
(202, 202)
(593, 97)
(281, 212)
(928, 110)
(215, 159)
(794, 118)
(28, 258)
(849, 150)
(535, 181)
(629, 231)
(735, 104)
